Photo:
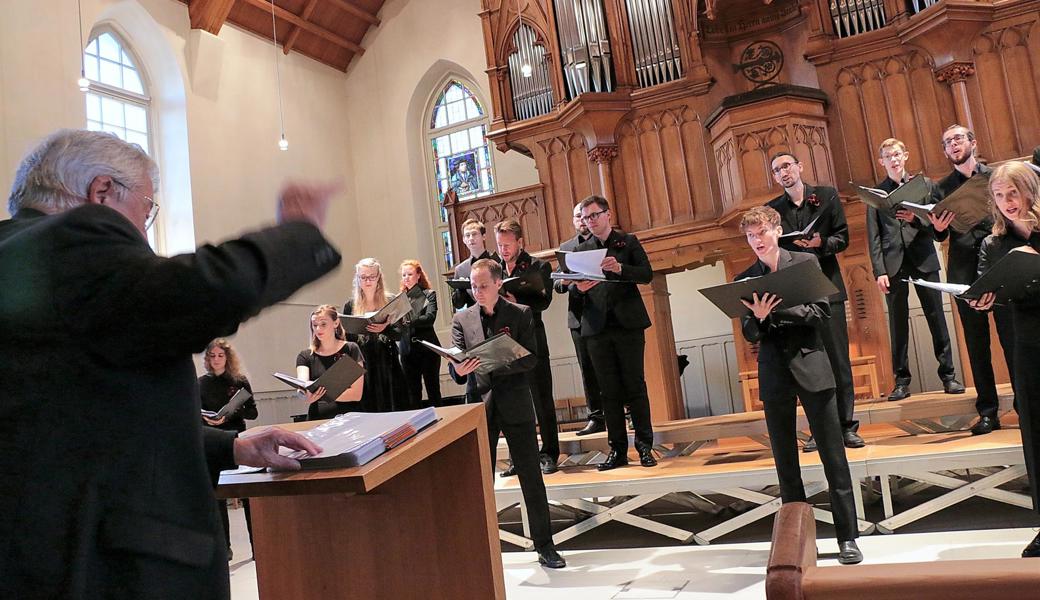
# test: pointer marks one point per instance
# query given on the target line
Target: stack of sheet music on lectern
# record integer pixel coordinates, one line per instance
(353, 439)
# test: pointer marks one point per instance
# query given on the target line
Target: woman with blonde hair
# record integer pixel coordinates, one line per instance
(223, 378)
(1015, 199)
(419, 362)
(385, 388)
(328, 344)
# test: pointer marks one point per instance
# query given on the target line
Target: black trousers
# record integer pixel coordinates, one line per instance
(617, 357)
(898, 299)
(588, 376)
(422, 365)
(976, 338)
(523, 450)
(1027, 392)
(540, 380)
(836, 343)
(821, 411)
(222, 508)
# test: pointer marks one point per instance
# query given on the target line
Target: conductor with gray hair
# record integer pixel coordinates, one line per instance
(103, 460)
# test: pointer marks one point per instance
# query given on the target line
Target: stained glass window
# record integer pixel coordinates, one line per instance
(460, 154)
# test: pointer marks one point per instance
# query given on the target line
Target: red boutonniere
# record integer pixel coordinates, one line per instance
(619, 244)
(505, 330)
(813, 200)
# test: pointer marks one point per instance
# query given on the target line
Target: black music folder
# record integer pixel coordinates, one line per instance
(340, 376)
(394, 311)
(802, 233)
(916, 190)
(970, 204)
(802, 283)
(461, 283)
(1008, 278)
(232, 405)
(528, 282)
(496, 351)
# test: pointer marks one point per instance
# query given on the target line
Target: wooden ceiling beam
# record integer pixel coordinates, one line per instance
(360, 13)
(307, 26)
(294, 33)
(209, 14)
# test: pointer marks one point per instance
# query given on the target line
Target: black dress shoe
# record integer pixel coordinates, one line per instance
(952, 386)
(985, 425)
(646, 456)
(899, 393)
(810, 445)
(1033, 549)
(848, 553)
(551, 558)
(614, 460)
(509, 472)
(853, 439)
(593, 426)
(547, 464)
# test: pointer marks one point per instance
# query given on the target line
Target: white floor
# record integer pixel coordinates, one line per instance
(730, 571)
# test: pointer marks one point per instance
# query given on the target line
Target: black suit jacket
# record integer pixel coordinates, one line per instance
(101, 447)
(537, 302)
(618, 301)
(789, 339)
(575, 299)
(892, 241)
(462, 298)
(832, 227)
(505, 389)
(962, 264)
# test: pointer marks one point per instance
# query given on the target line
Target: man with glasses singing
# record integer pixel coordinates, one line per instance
(958, 143)
(800, 206)
(901, 248)
(103, 456)
(613, 320)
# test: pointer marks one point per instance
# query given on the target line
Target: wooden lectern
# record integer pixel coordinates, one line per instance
(417, 522)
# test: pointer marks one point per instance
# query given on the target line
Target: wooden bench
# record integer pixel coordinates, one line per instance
(864, 381)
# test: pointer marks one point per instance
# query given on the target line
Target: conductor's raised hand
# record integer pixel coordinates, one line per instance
(762, 306)
(941, 222)
(985, 302)
(306, 202)
(467, 366)
(261, 450)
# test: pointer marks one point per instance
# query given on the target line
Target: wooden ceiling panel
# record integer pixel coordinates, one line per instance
(329, 31)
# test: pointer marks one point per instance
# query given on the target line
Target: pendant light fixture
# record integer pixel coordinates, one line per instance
(283, 144)
(525, 66)
(82, 82)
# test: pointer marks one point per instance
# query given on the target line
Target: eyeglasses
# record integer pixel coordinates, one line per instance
(153, 212)
(592, 216)
(954, 139)
(783, 167)
(368, 277)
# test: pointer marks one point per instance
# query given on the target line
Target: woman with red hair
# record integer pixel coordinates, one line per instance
(420, 363)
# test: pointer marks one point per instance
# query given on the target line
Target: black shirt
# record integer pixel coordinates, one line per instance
(963, 262)
(216, 390)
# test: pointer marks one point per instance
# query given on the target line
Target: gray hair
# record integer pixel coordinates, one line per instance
(56, 175)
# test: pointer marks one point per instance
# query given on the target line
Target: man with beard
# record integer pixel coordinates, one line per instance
(959, 145)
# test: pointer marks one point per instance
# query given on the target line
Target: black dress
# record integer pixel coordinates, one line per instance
(419, 362)
(1025, 312)
(385, 388)
(217, 390)
(326, 408)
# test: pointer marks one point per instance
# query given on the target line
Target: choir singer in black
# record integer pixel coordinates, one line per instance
(506, 393)
(901, 248)
(613, 320)
(799, 206)
(516, 262)
(793, 365)
(474, 236)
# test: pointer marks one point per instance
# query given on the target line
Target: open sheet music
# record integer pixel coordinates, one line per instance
(802, 233)
(916, 190)
(340, 376)
(232, 405)
(1008, 279)
(496, 351)
(394, 311)
(801, 283)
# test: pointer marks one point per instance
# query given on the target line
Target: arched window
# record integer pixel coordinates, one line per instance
(118, 101)
(457, 125)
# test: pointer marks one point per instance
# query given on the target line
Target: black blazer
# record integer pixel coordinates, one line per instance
(618, 300)
(892, 241)
(462, 298)
(832, 227)
(418, 325)
(506, 388)
(536, 302)
(996, 247)
(575, 299)
(962, 264)
(101, 445)
(789, 339)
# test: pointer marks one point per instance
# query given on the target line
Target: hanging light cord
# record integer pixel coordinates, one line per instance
(82, 61)
(277, 72)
